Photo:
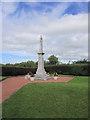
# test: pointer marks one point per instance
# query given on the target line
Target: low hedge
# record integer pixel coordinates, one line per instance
(60, 69)
(14, 71)
(69, 69)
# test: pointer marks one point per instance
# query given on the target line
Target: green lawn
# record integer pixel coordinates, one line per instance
(2, 78)
(49, 100)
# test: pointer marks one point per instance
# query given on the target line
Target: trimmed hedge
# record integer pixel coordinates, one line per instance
(69, 69)
(81, 69)
(14, 71)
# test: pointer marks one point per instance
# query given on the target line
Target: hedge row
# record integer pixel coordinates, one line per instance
(14, 71)
(69, 69)
(60, 69)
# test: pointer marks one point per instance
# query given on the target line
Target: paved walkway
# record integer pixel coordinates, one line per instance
(13, 84)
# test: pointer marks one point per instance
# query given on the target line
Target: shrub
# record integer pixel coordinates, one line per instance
(69, 69)
(73, 69)
(14, 71)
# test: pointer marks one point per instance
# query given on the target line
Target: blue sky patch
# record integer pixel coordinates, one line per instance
(74, 8)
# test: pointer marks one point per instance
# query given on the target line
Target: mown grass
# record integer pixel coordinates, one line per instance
(49, 100)
(2, 78)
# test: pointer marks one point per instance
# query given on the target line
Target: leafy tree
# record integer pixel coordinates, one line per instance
(26, 64)
(46, 62)
(36, 63)
(31, 64)
(53, 60)
(9, 65)
(84, 61)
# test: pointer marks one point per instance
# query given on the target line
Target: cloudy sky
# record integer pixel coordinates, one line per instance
(63, 25)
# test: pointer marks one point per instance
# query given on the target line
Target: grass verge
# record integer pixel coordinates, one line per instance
(49, 100)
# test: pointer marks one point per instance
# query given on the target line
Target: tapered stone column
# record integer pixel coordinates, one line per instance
(41, 74)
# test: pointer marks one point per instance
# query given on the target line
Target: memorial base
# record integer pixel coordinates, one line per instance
(41, 75)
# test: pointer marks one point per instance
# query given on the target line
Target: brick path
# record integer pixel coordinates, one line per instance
(11, 85)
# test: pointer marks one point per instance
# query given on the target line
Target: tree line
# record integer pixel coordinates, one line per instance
(52, 60)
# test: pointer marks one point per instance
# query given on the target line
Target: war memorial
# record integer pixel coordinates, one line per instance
(41, 73)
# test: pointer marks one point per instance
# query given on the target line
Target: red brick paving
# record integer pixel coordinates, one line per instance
(13, 84)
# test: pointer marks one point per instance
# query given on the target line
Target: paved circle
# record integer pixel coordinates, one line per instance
(13, 84)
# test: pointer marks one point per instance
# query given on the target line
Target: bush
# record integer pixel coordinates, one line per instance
(14, 71)
(74, 69)
(69, 69)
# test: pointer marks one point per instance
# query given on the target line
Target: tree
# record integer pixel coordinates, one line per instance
(9, 65)
(83, 61)
(30, 64)
(46, 63)
(36, 63)
(53, 60)
(25, 64)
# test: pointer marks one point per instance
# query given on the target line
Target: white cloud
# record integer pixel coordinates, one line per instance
(66, 37)
(8, 8)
